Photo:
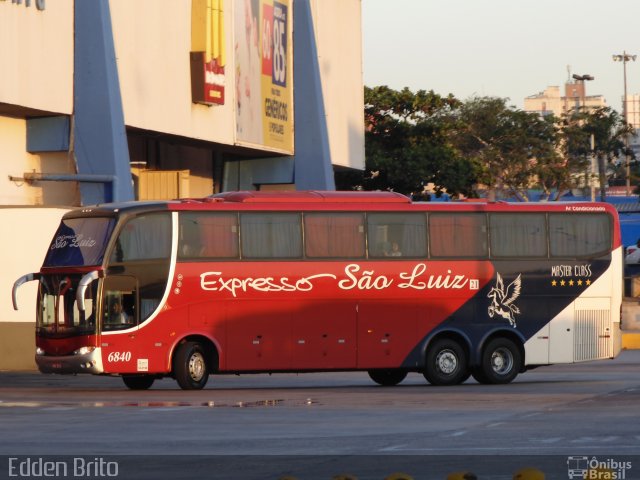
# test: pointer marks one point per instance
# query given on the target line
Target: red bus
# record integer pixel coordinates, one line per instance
(320, 281)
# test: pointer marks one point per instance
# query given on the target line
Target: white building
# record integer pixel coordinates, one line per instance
(550, 101)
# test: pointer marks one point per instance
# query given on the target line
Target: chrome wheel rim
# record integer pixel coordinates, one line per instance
(502, 361)
(197, 367)
(447, 362)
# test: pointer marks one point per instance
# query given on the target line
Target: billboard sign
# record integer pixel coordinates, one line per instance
(208, 52)
(264, 76)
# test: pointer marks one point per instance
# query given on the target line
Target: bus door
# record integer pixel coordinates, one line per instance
(561, 335)
(119, 328)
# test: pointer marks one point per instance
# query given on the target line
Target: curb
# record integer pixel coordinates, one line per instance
(631, 341)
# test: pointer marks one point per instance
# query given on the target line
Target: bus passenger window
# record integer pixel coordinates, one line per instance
(142, 238)
(208, 235)
(271, 235)
(334, 235)
(462, 235)
(518, 235)
(574, 235)
(397, 235)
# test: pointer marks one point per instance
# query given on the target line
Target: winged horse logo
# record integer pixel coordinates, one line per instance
(503, 299)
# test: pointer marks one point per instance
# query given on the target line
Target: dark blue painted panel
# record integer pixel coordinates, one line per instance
(100, 140)
(313, 169)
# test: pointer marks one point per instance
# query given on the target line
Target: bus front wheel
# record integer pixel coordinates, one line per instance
(138, 382)
(190, 366)
(446, 363)
(387, 377)
(501, 362)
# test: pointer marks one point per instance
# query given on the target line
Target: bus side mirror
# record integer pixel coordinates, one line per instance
(23, 279)
(82, 287)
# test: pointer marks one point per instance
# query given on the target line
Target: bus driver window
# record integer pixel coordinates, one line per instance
(117, 314)
(118, 310)
(119, 304)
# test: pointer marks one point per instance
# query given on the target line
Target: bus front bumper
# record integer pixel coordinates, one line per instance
(90, 362)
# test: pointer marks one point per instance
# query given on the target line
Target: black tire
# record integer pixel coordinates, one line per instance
(446, 363)
(387, 377)
(501, 361)
(138, 382)
(479, 375)
(190, 367)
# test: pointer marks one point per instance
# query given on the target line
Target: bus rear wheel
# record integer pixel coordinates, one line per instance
(446, 363)
(479, 375)
(138, 382)
(387, 377)
(501, 362)
(190, 366)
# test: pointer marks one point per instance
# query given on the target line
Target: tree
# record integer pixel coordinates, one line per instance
(553, 171)
(407, 143)
(608, 130)
(510, 148)
(413, 139)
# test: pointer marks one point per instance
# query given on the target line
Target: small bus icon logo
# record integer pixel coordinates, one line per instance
(577, 467)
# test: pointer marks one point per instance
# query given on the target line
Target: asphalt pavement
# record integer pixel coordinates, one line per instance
(320, 425)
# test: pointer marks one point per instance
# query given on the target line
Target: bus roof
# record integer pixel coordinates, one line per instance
(332, 200)
(312, 196)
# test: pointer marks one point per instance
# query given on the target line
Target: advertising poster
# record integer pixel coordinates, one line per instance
(263, 74)
(208, 52)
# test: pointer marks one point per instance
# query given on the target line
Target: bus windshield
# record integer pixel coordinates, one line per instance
(58, 314)
(79, 242)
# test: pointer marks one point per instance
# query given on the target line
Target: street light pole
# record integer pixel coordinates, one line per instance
(589, 177)
(624, 58)
(581, 79)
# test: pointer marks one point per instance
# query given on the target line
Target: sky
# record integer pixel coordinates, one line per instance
(501, 48)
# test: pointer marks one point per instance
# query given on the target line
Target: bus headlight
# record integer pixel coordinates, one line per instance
(84, 350)
(39, 351)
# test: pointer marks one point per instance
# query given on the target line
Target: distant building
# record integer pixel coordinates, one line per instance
(545, 103)
(551, 102)
(633, 117)
(633, 110)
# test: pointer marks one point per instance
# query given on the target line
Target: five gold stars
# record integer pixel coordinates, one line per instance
(571, 283)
